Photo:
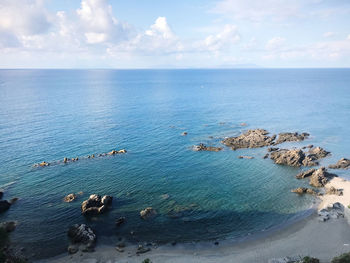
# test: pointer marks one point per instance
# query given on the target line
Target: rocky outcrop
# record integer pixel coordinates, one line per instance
(202, 147)
(305, 174)
(291, 137)
(297, 157)
(96, 205)
(69, 198)
(335, 210)
(320, 177)
(303, 190)
(82, 234)
(251, 139)
(272, 149)
(343, 163)
(148, 213)
(334, 191)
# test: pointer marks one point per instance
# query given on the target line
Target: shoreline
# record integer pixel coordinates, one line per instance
(305, 237)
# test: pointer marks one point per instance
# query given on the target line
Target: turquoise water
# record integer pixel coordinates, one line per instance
(46, 115)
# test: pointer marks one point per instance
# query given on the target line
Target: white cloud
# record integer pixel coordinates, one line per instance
(329, 34)
(275, 43)
(222, 40)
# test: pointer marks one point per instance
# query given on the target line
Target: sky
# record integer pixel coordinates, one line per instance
(174, 34)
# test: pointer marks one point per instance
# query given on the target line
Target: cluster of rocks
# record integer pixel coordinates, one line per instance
(343, 163)
(297, 157)
(297, 259)
(304, 190)
(334, 191)
(81, 235)
(96, 205)
(318, 177)
(202, 147)
(68, 160)
(148, 213)
(335, 210)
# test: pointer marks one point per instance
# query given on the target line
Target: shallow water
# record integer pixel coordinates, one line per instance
(52, 114)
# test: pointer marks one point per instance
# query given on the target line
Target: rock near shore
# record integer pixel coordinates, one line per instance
(96, 205)
(343, 163)
(304, 190)
(81, 233)
(202, 147)
(148, 213)
(291, 137)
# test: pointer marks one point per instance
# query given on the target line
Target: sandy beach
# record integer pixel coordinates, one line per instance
(308, 237)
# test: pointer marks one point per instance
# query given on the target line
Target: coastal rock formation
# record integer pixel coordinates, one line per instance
(4, 205)
(333, 191)
(251, 139)
(305, 174)
(96, 205)
(8, 226)
(272, 149)
(69, 198)
(303, 190)
(148, 213)
(297, 157)
(320, 177)
(291, 137)
(335, 210)
(81, 233)
(202, 147)
(343, 163)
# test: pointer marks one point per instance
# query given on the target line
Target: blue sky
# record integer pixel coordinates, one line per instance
(174, 34)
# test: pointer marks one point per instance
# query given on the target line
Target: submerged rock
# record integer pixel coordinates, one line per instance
(202, 147)
(184, 133)
(251, 139)
(120, 221)
(291, 137)
(81, 233)
(303, 190)
(272, 149)
(69, 198)
(245, 157)
(343, 163)
(95, 205)
(8, 226)
(148, 213)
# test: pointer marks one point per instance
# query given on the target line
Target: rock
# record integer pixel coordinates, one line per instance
(184, 133)
(141, 249)
(119, 249)
(81, 233)
(4, 205)
(95, 205)
(318, 153)
(8, 226)
(305, 174)
(44, 164)
(1, 194)
(65, 159)
(291, 137)
(113, 152)
(245, 157)
(165, 196)
(333, 191)
(69, 198)
(121, 245)
(334, 210)
(122, 151)
(284, 260)
(93, 156)
(72, 249)
(202, 147)
(147, 213)
(343, 163)
(272, 149)
(266, 156)
(13, 200)
(251, 139)
(292, 157)
(120, 221)
(320, 177)
(303, 190)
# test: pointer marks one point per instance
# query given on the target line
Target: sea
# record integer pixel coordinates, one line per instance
(47, 115)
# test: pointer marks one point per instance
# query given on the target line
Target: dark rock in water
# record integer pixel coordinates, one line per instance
(69, 198)
(4, 206)
(202, 147)
(8, 226)
(216, 243)
(1, 194)
(13, 200)
(95, 205)
(303, 190)
(291, 137)
(318, 153)
(305, 174)
(266, 156)
(72, 249)
(81, 233)
(333, 191)
(245, 157)
(148, 213)
(141, 249)
(65, 159)
(320, 177)
(272, 149)
(251, 139)
(184, 134)
(120, 221)
(343, 163)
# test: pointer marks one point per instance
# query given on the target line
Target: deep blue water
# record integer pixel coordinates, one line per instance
(52, 114)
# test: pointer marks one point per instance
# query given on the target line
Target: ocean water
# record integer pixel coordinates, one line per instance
(46, 115)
